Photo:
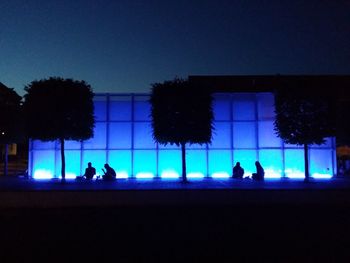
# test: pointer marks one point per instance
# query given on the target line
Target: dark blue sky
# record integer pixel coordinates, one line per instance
(124, 46)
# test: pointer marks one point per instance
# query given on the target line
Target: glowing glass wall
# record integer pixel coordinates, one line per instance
(123, 138)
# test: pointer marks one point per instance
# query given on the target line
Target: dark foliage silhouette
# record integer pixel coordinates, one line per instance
(304, 116)
(181, 114)
(11, 122)
(58, 108)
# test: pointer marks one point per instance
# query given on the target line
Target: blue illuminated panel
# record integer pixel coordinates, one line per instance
(244, 135)
(100, 108)
(221, 135)
(72, 158)
(271, 161)
(267, 136)
(169, 164)
(43, 164)
(99, 140)
(320, 163)
(143, 135)
(294, 163)
(247, 158)
(119, 135)
(266, 108)
(145, 163)
(40, 145)
(221, 107)
(220, 164)
(243, 107)
(120, 108)
(97, 158)
(120, 160)
(196, 163)
(142, 108)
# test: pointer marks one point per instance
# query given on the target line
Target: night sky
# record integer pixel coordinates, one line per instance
(124, 46)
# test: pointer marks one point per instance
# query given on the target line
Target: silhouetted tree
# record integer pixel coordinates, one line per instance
(181, 114)
(11, 122)
(58, 108)
(304, 116)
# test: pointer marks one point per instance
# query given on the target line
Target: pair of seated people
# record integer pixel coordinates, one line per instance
(238, 172)
(108, 174)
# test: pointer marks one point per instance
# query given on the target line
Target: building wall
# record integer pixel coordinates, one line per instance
(244, 133)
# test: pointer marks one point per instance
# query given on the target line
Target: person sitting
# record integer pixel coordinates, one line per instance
(238, 171)
(109, 174)
(89, 172)
(260, 173)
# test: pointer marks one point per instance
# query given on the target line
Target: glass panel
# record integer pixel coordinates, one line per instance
(119, 135)
(40, 145)
(266, 106)
(221, 107)
(120, 108)
(294, 163)
(168, 146)
(169, 163)
(287, 145)
(100, 108)
(321, 163)
(221, 135)
(142, 108)
(196, 163)
(72, 164)
(271, 161)
(43, 164)
(267, 135)
(143, 135)
(121, 162)
(99, 139)
(243, 110)
(196, 146)
(220, 164)
(70, 144)
(327, 144)
(97, 159)
(145, 163)
(244, 135)
(247, 159)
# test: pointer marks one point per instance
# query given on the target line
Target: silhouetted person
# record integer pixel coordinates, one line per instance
(109, 174)
(89, 172)
(260, 173)
(237, 171)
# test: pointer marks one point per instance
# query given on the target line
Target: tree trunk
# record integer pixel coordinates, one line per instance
(306, 159)
(183, 152)
(6, 159)
(63, 161)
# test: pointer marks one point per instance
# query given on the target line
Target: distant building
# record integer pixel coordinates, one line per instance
(244, 132)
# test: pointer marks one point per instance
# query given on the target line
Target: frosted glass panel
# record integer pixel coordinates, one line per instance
(267, 136)
(145, 163)
(196, 163)
(266, 106)
(99, 139)
(120, 108)
(321, 163)
(97, 158)
(247, 159)
(196, 146)
(221, 108)
(43, 164)
(243, 110)
(100, 109)
(168, 146)
(72, 158)
(244, 135)
(121, 162)
(294, 163)
(220, 164)
(119, 135)
(169, 164)
(143, 135)
(271, 161)
(40, 145)
(142, 108)
(70, 144)
(221, 135)
(328, 144)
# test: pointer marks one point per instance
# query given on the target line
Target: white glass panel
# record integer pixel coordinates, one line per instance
(99, 139)
(120, 108)
(97, 159)
(247, 159)
(220, 163)
(43, 164)
(244, 135)
(143, 135)
(145, 163)
(271, 161)
(267, 135)
(294, 163)
(169, 163)
(221, 135)
(119, 135)
(196, 163)
(120, 160)
(266, 106)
